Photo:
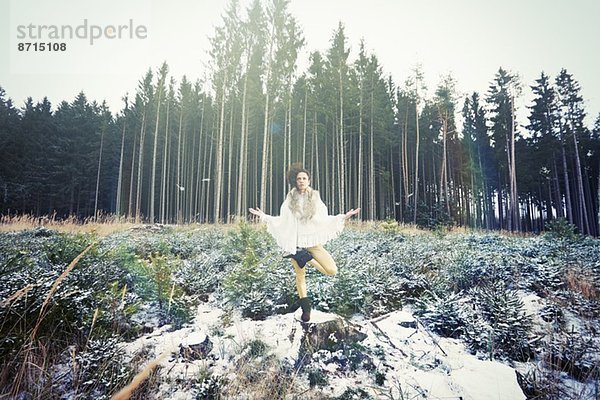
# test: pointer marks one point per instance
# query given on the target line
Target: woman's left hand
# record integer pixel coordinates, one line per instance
(257, 211)
(351, 213)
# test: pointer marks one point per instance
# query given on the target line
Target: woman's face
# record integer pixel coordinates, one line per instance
(302, 181)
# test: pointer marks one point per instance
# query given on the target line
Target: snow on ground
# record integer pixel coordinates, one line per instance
(439, 367)
(414, 361)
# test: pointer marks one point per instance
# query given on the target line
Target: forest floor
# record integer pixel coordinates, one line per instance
(204, 312)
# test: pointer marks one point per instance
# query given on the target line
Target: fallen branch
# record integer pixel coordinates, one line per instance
(389, 340)
(431, 336)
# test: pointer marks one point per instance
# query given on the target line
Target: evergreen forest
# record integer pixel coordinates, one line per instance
(181, 151)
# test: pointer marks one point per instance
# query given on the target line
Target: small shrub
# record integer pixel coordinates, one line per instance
(509, 324)
(256, 285)
(316, 377)
(255, 348)
(202, 274)
(551, 312)
(575, 354)
(539, 384)
(560, 228)
(208, 387)
(469, 270)
(153, 280)
(390, 227)
(62, 248)
(442, 314)
(99, 371)
(248, 245)
(379, 377)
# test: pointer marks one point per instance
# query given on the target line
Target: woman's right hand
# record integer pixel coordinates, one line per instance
(257, 211)
(351, 213)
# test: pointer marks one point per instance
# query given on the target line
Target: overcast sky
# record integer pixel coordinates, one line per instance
(470, 39)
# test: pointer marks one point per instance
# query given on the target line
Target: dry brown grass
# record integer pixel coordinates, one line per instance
(105, 225)
(400, 228)
(137, 380)
(582, 283)
(15, 296)
(102, 226)
(264, 379)
(35, 354)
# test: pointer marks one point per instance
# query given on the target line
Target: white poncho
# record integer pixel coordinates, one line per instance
(292, 229)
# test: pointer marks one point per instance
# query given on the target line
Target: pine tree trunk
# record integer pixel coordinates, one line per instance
(567, 183)
(120, 179)
(200, 165)
(583, 216)
(550, 213)
(335, 162)
(245, 172)
(372, 202)
(513, 169)
(240, 209)
(270, 174)
(416, 184)
(316, 171)
(286, 159)
(163, 181)
(178, 215)
(265, 158)
(98, 174)
(265, 146)
(219, 156)
(288, 123)
(209, 168)
(443, 169)
(502, 224)
(405, 171)
(304, 127)
(230, 156)
(560, 211)
(509, 214)
(360, 146)
(138, 197)
(392, 186)
(342, 171)
(191, 179)
(154, 152)
(325, 162)
(131, 180)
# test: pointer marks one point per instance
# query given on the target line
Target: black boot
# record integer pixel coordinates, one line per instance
(305, 304)
(302, 256)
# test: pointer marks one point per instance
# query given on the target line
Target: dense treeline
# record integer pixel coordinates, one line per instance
(205, 151)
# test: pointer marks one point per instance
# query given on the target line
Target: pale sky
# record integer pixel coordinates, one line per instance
(470, 39)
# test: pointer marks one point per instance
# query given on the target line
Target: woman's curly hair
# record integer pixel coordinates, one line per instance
(293, 172)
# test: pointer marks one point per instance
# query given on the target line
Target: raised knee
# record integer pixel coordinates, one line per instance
(332, 270)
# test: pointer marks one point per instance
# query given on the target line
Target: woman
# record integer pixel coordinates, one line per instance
(301, 229)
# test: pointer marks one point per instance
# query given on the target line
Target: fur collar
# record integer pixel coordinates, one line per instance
(308, 208)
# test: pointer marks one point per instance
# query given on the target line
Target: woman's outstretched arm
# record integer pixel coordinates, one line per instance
(351, 213)
(257, 211)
